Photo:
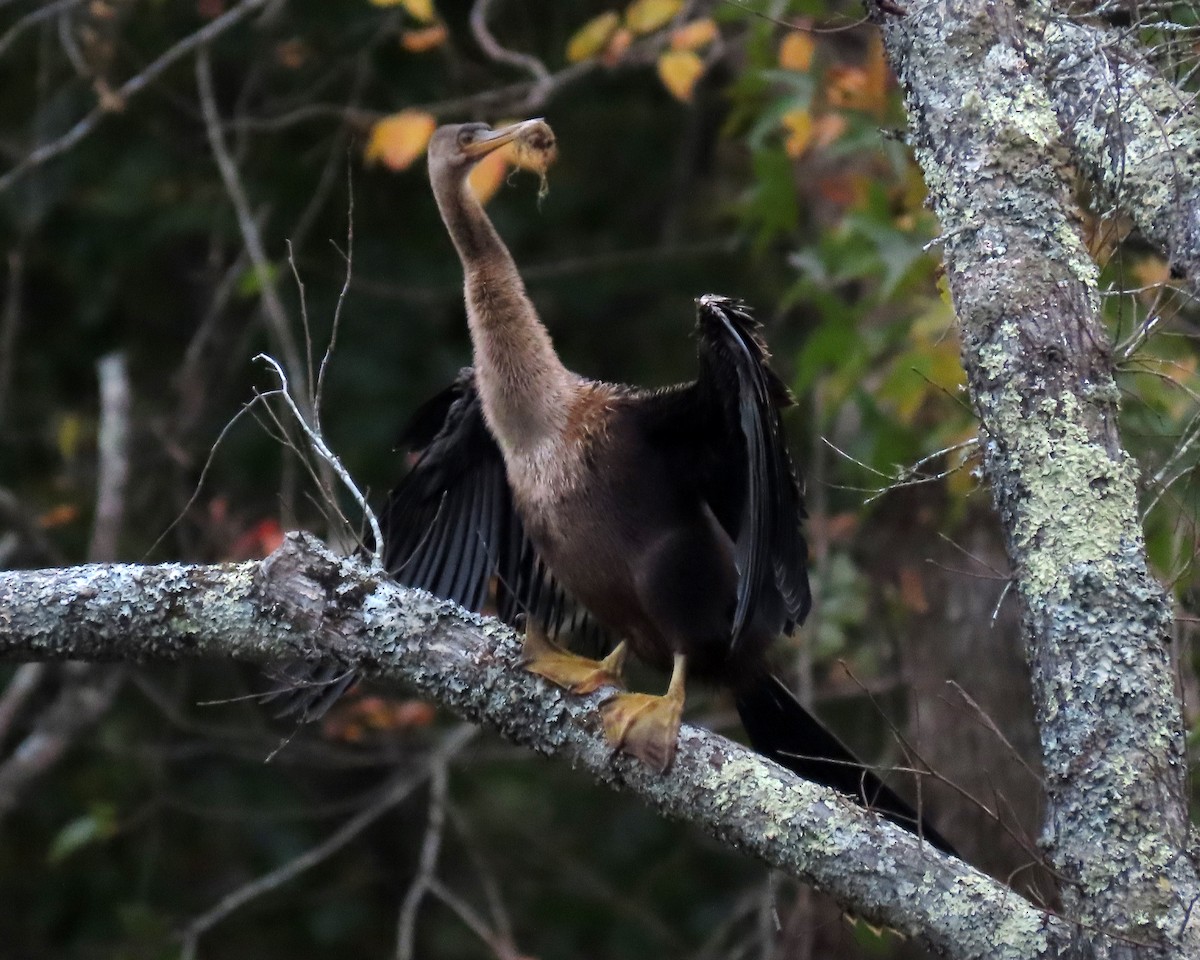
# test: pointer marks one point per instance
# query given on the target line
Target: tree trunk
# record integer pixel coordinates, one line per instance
(1039, 368)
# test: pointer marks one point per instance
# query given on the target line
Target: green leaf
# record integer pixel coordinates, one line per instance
(98, 824)
(248, 283)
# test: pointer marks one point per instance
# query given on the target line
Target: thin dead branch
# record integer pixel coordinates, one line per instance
(395, 793)
(273, 309)
(130, 88)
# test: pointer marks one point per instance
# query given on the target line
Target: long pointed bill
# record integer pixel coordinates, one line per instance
(498, 138)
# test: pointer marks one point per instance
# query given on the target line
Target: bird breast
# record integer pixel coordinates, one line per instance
(547, 472)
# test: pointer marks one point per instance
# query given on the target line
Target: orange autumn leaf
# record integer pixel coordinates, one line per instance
(860, 88)
(351, 720)
(590, 39)
(846, 87)
(618, 43)
(878, 74)
(912, 590)
(796, 51)
(398, 140)
(679, 70)
(844, 189)
(489, 173)
(695, 35)
(827, 128)
(426, 38)
(58, 516)
(799, 127)
(646, 16)
(1151, 271)
(291, 54)
(262, 539)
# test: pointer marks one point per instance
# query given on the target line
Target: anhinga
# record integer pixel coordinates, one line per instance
(670, 517)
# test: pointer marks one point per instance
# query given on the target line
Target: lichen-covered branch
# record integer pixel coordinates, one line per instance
(1131, 131)
(304, 602)
(1039, 372)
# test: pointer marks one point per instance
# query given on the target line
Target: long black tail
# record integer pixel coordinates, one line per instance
(782, 730)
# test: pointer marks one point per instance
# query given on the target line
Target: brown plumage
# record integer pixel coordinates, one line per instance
(669, 519)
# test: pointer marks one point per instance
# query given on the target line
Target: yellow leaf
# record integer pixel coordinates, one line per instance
(796, 51)
(421, 10)
(799, 127)
(398, 140)
(489, 173)
(695, 35)
(592, 37)
(69, 435)
(646, 16)
(679, 70)
(418, 9)
(426, 38)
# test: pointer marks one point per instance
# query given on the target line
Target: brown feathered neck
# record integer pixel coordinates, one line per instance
(525, 389)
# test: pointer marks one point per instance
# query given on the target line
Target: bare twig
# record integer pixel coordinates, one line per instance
(911, 475)
(406, 926)
(491, 46)
(394, 794)
(10, 324)
(348, 256)
(273, 308)
(33, 18)
(319, 446)
(20, 688)
(88, 691)
(990, 724)
(113, 451)
(472, 920)
(485, 874)
(130, 88)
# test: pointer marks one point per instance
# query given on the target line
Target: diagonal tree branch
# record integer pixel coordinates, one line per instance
(304, 602)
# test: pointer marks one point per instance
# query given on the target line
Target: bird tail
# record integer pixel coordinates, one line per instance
(781, 729)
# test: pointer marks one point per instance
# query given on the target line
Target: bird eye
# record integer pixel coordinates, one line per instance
(465, 137)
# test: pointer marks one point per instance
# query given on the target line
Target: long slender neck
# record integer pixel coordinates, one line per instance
(524, 386)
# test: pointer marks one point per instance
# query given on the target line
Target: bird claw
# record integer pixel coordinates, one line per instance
(644, 726)
(568, 670)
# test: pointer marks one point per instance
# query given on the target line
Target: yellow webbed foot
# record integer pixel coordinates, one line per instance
(577, 674)
(647, 726)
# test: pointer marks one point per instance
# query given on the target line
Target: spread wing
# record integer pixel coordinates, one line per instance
(727, 430)
(450, 526)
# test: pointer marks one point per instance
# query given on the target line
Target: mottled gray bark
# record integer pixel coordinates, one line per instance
(1039, 371)
(304, 602)
(1132, 132)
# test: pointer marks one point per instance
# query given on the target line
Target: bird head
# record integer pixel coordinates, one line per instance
(456, 148)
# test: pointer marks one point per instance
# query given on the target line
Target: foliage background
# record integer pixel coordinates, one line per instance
(780, 176)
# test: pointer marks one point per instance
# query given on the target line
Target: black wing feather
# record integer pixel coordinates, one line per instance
(450, 527)
(728, 435)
